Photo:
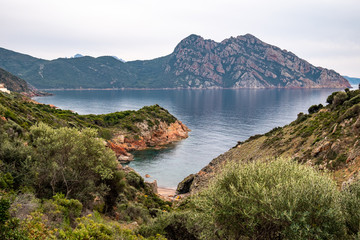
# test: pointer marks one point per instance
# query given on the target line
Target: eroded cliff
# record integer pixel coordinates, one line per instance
(154, 136)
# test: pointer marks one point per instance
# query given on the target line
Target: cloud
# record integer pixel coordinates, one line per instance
(142, 29)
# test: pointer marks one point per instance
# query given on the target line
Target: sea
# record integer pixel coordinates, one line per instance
(218, 119)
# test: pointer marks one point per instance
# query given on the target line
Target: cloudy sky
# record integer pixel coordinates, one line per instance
(324, 32)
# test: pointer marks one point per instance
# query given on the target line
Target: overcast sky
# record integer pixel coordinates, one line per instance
(324, 32)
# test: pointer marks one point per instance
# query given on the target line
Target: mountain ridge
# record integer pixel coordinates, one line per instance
(236, 62)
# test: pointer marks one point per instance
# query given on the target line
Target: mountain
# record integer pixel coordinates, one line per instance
(327, 138)
(77, 55)
(241, 62)
(16, 84)
(352, 80)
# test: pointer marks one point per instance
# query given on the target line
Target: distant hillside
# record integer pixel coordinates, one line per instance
(352, 80)
(16, 84)
(326, 138)
(241, 62)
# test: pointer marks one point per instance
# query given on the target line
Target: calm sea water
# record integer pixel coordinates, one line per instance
(218, 120)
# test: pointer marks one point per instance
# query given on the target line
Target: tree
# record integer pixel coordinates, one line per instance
(70, 161)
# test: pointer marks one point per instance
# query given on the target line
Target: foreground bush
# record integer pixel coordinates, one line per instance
(272, 200)
(351, 207)
(70, 161)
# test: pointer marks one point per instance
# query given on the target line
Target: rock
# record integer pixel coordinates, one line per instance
(323, 147)
(147, 175)
(125, 159)
(150, 136)
(153, 186)
(336, 147)
(356, 125)
(185, 185)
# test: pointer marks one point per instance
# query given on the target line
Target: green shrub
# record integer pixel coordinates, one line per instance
(70, 208)
(9, 227)
(301, 117)
(73, 162)
(272, 200)
(330, 98)
(339, 99)
(315, 108)
(135, 180)
(350, 203)
(174, 225)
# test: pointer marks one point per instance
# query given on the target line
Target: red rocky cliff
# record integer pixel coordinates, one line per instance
(149, 137)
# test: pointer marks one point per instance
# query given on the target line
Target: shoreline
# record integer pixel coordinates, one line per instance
(168, 194)
(179, 88)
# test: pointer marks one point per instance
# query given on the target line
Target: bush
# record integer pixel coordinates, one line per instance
(330, 98)
(73, 162)
(172, 225)
(272, 200)
(339, 99)
(9, 227)
(351, 207)
(135, 180)
(315, 108)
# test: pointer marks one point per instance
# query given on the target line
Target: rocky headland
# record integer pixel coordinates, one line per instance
(149, 137)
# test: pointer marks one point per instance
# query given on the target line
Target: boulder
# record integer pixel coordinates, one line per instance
(153, 186)
(185, 185)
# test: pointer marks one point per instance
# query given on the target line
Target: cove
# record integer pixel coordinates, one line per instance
(218, 118)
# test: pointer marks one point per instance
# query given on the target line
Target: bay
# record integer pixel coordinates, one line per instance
(218, 118)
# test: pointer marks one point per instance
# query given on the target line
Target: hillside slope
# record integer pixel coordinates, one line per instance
(151, 126)
(241, 62)
(326, 138)
(58, 180)
(16, 84)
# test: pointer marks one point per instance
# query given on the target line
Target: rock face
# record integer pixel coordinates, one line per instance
(149, 137)
(241, 62)
(245, 62)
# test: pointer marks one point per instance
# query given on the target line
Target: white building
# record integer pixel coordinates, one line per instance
(3, 88)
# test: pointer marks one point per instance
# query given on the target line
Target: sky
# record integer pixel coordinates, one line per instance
(326, 33)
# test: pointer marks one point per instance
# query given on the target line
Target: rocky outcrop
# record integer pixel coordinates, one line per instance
(149, 137)
(245, 62)
(185, 185)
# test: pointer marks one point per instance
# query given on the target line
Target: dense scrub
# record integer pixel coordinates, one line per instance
(26, 113)
(279, 199)
(59, 181)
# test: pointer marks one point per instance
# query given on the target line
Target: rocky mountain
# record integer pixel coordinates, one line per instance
(245, 62)
(241, 62)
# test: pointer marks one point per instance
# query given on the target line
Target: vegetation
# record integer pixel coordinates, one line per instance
(59, 181)
(25, 113)
(279, 199)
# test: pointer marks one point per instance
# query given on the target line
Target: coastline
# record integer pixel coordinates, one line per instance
(180, 88)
